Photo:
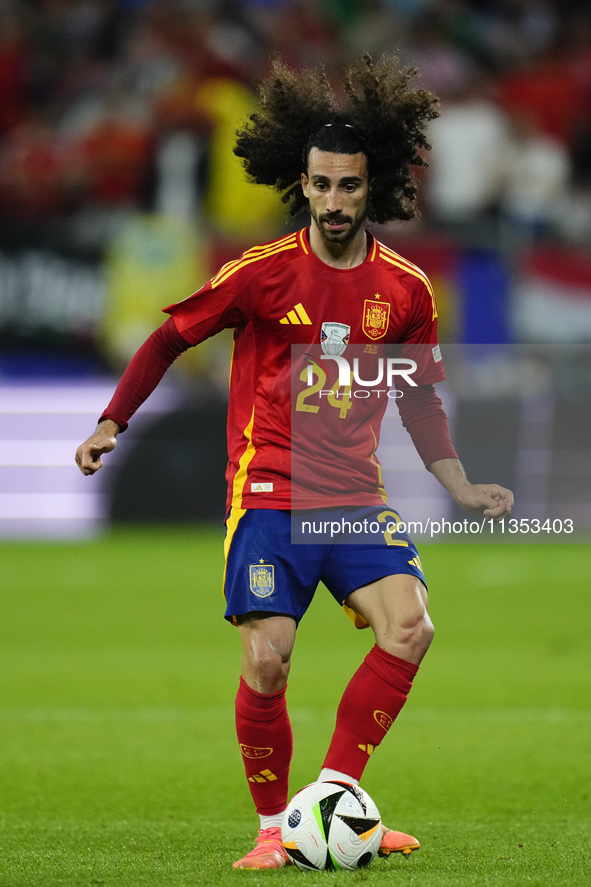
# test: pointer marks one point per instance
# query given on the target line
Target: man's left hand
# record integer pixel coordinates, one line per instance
(491, 500)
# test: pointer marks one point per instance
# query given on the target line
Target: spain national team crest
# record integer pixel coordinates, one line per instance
(255, 752)
(262, 579)
(375, 318)
(334, 337)
(383, 719)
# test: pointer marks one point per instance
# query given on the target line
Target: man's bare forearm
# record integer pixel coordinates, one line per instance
(108, 427)
(488, 499)
(450, 474)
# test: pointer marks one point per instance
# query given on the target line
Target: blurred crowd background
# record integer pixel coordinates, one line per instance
(119, 192)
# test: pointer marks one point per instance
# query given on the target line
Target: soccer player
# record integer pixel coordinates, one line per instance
(331, 284)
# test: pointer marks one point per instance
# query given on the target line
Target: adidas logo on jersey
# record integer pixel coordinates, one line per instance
(263, 776)
(297, 315)
(369, 749)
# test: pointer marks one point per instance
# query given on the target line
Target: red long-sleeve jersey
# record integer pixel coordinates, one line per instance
(286, 450)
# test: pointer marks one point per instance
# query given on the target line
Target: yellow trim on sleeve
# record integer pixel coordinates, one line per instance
(247, 259)
(410, 269)
(395, 255)
(227, 267)
(266, 246)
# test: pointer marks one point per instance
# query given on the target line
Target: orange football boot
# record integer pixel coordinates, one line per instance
(269, 852)
(397, 842)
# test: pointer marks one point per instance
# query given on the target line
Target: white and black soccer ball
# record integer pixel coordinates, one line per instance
(331, 825)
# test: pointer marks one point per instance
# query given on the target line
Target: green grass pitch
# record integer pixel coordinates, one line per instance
(118, 762)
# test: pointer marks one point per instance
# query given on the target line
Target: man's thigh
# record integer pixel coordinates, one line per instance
(396, 609)
(372, 564)
(392, 605)
(265, 573)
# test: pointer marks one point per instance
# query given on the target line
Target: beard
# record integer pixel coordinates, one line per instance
(352, 225)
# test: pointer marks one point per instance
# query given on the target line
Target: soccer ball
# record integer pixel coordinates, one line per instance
(331, 825)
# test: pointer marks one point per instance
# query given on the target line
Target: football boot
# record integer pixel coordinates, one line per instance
(268, 852)
(397, 842)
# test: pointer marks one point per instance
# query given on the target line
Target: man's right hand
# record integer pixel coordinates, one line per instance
(88, 454)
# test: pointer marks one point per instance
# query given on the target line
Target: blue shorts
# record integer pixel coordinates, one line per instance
(267, 573)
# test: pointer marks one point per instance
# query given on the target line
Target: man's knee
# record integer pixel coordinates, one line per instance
(268, 664)
(409, 638)
(416, 631)
(396, 609)
(267, 645)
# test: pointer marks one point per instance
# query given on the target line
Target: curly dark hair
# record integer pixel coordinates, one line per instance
(380, 116)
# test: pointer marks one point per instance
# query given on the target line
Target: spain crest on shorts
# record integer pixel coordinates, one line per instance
(375, 318)
(262, 579)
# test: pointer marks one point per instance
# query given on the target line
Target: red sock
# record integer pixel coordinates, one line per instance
(371, 702)
(266, 743)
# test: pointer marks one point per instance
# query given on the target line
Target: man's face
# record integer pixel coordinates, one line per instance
(337, 187)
